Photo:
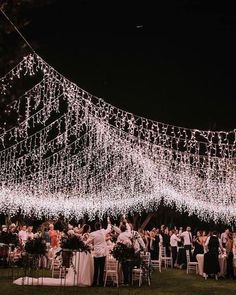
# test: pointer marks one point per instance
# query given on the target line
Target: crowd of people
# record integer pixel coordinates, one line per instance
(102, 241)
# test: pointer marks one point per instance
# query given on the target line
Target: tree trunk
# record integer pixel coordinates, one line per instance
(147, 220)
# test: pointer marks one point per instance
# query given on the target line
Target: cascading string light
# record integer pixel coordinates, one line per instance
(75, 154)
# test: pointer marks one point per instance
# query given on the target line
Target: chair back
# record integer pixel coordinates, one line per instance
(187, 256)
(4, 249)
(163, 251)
(146, 258)
(111, 265)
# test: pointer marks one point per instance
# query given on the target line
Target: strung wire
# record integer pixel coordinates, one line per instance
(93, 158)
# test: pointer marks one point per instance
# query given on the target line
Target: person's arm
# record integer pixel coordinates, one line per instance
(128, 228)
(207, 242)
(108, 229)
(221, 246)
(116, 229)
(161, 239)
(177, 239)
(90, 240)
(141, 242)
(118, 239)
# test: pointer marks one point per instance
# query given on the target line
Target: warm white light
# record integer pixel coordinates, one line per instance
(74, 154)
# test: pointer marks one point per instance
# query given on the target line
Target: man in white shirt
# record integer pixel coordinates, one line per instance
(23, 235)
(97, 238)
(187, 237)
(174, 244)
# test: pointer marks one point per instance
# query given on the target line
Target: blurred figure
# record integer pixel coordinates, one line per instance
(23, 236)
(54, 241)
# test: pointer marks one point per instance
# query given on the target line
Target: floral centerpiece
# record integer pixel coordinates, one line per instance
(123, 252)
(36, 246)
(33, 250)
(70, 243)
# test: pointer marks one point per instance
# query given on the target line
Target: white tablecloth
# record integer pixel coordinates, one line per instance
(79, 274)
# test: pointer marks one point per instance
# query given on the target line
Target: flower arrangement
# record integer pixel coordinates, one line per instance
(122, 252)
(36, 246)
(74, 243)
(70, 243)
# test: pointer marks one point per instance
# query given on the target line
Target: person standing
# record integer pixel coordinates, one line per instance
(188, 240)
(98, 239)
(54, 240)
(211, 258)
(198, 247)
(23, 235)
(174, 244)
(230, 257)
(224, 237)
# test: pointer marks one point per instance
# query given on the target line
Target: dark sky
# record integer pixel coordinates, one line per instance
(173, 63)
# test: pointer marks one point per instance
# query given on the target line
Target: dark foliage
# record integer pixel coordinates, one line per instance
(36, 246)
(74, 243)
(123, 252)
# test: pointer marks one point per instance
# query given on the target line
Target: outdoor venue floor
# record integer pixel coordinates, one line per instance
(169, 282)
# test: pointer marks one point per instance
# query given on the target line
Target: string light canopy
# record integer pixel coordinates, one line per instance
(71, 153)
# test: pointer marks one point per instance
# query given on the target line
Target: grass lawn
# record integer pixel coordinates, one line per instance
(169, 282)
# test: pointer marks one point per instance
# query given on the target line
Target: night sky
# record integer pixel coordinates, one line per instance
(173, 63)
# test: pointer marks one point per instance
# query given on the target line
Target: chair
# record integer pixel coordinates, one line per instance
(166, 259)
(156, 264)
(111, 271)
(4, 253)
(56, 268)
(142, 272)
(191, 266)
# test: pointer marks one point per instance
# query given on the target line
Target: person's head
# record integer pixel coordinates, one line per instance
(131, 226)
(171, 232)
(199, 233)
(163, 227)
(70, 226)
(23, 227)
(227, 231)
(214, 233)
(70, 232)
(12, 226)
(98, 225)
(166, 231)
(51, 226)
(188, 228)
(86, 229)
(30, 228)
(204, 233)
(4, 228)
(123, 228)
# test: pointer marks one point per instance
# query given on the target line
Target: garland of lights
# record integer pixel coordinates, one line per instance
(74, 154)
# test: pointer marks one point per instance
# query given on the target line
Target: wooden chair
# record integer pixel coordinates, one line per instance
(166, 260)
(56, 268)
(191, 265)
(142, 273)
(156, 264)
(111, 271)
